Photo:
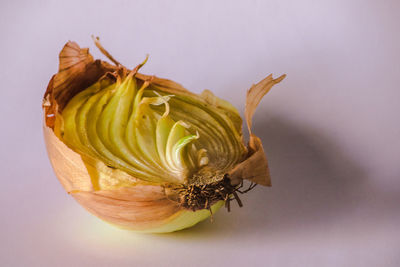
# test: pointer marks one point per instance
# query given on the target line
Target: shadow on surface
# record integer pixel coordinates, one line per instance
(313, 182)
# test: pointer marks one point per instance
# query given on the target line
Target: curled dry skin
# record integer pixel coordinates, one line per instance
(142, 152)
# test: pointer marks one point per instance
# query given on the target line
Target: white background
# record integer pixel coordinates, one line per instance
(331, 129)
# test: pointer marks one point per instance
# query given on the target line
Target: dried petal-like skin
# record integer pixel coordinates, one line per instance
(67, 164)
(255, 167)
(114, 195)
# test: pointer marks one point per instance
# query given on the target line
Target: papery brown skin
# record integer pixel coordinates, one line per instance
(145, 205)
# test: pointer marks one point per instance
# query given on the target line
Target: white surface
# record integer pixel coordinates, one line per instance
(331, 129)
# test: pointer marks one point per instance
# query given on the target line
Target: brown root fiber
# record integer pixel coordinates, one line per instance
(196, 197)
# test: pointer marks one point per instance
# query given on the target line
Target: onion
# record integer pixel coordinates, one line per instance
(143, 153)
